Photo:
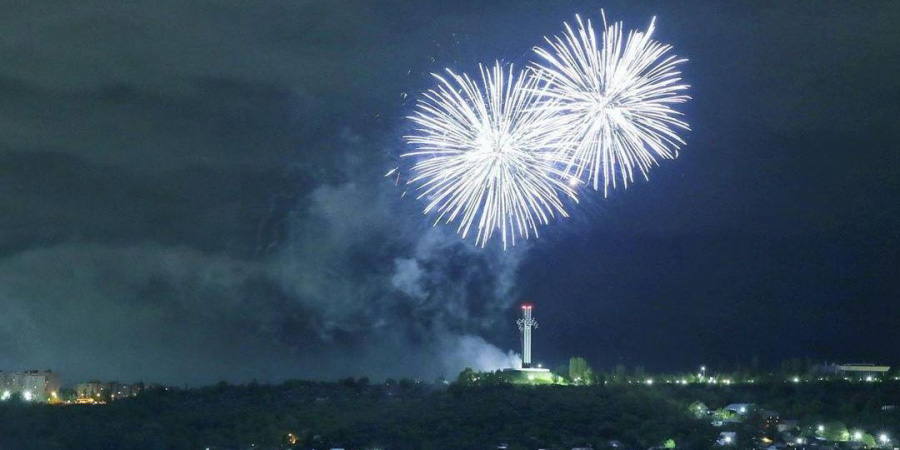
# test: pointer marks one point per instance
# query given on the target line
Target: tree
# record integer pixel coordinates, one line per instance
(467, 376)
(699, 410)
(579, 371)
(836, 432)
(869, 440)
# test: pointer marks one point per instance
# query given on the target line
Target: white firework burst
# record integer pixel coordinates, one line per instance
(615, 101)
(484, 154)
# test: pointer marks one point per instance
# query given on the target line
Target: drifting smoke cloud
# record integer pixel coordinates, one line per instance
(381, 277)
(356, 289)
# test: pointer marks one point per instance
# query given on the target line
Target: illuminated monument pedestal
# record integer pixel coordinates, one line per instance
(527, 373)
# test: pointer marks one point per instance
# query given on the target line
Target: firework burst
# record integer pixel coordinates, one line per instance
(614, 100)
(484, 154)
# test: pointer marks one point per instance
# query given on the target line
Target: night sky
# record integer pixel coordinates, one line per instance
(194, 191)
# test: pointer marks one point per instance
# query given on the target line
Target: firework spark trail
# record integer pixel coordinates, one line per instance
(485, 154)
(614, 101)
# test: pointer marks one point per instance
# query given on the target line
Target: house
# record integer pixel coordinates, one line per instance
(739, 408)
(786, 426)
(726, 438)
(722, 422)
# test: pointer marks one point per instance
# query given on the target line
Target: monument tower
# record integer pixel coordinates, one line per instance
(526, 323)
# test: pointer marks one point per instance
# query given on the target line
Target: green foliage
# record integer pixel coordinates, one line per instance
(869, 440)
(724, 414)
(579, 371)
(699, 410)
(836, 432)
(670, 443)
(467, 376)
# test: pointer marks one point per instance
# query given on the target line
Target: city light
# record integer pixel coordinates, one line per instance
(27, 395)
(799, 440)
(727, 439)
(649, 381)
(796, 379)
(743, 410)
(857, 435)
(883, 438)
(820, 428)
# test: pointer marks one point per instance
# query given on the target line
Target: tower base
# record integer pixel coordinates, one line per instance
(532, 375)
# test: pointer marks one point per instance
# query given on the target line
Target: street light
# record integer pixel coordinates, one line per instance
(857, 436)
(820, 428)
(884, 438)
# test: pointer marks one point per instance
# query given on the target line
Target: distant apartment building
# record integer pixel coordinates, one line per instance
(97, 391)
(30, 385)
(90, 389)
